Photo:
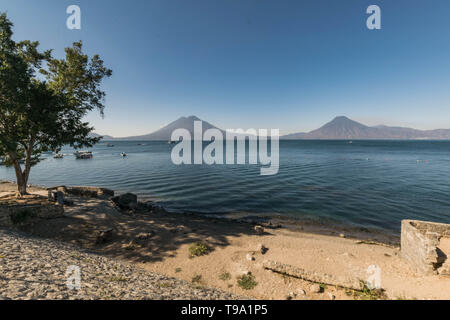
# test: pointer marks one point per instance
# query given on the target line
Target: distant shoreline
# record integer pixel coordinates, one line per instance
(276, 221)
(160, 242)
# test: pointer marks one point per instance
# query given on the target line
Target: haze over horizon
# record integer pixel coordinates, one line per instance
(292, 65)
(340, 128)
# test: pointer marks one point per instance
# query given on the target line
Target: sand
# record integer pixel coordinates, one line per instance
(234, 249)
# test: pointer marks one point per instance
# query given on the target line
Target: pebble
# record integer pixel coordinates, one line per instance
(262, 248)
(259, 230)
(302, 292)
(250, 257)
(44, 264)
(315, 288)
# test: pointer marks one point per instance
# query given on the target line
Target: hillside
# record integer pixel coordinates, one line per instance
(343, 128)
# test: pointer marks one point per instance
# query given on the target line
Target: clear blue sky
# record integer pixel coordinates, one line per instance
(292, 65)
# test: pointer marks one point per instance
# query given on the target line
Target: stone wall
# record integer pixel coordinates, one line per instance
(18, 214)
(425, 245)
(91, 192)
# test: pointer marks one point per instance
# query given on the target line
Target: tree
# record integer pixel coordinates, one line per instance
(43, 100)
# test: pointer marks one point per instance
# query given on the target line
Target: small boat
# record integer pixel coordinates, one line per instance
(83, 155)
(172, 142)
(109, 145)
(123, 154)
(58, 156)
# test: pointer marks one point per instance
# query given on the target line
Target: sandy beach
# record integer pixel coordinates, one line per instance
(157, 241)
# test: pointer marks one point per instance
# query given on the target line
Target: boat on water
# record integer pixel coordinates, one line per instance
(58, 156)
(83, 155)
(123, 154)
(172, 142)
(109, 145)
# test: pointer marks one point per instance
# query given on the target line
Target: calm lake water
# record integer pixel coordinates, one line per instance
(373, 184)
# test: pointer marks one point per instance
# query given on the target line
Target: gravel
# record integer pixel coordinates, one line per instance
(33, 268)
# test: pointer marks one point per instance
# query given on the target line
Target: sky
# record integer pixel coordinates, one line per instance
(287, 64)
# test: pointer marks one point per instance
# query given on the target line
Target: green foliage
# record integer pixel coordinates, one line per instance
(198, 249)
(44, 100)
(369, 294)
(197, 279)
(323, 286)
(225, 276)
(247, 282)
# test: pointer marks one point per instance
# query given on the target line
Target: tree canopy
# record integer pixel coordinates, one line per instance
(44, 100)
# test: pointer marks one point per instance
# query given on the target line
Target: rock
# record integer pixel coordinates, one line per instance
(262, 248)
(68, 202)
(259, 230)
(301, 292)
(315, 288)
(60, 198)
(331, 296)
(250, 257)
(444, 270)
(143, 236)
(104, 236)
(126, 201)
(105, 192)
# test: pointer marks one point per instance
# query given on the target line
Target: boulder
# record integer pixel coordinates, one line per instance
(90, 192)
(127, 201)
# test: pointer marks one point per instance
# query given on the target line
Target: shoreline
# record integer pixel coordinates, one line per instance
(324, 227)
(159, 241)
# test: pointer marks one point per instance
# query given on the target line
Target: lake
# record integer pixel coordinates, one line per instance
(373, 184)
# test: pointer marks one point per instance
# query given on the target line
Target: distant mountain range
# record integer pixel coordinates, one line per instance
(105, 137)
(340, 128)
(165, 133)
(343, 128)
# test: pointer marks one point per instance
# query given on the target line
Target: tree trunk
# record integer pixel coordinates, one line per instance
(20, 177)
(22, 188)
